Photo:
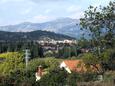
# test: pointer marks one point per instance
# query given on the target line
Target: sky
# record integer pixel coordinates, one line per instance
(38, 11)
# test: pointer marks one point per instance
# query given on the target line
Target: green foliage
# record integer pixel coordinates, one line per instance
(100, 23)
(72, 79)
(84, 43)
(109, 76)
(108, 59)
(59, 77)
(18, 78)
(35, 49)
(68, 51)
(34, 63)
(12, 61)
(90, 58)
(49, 53)
(75, 77)
(89, 77)
(55, 77)
(106, 55)
(48, 64)
(31, 36)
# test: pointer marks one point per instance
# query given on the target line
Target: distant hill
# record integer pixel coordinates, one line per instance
(66, 26)
(34, 35)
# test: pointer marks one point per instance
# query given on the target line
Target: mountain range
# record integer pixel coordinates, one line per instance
(33, 35)
(66, 26)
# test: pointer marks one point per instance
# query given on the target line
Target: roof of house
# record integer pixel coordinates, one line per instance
(75, 65)
(79, 66)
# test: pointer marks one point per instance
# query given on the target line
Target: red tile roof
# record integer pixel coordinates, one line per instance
(75, 65)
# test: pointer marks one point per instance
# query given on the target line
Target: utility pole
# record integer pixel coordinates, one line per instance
(27, 54)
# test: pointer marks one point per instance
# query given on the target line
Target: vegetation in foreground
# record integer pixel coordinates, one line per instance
(100, 23)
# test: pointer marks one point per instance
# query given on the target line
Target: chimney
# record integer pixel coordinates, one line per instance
(39, 71)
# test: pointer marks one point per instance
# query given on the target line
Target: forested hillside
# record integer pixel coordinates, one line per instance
(34, 35)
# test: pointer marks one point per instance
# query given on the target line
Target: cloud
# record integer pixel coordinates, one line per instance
(77, 15)
(73, 8)
(36, 1)
(6, 1)
(48, 11)
(100, 2)
(26, 11)
(75, 11)
(42, 18)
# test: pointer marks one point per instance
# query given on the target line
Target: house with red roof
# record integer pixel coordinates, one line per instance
(76, 66)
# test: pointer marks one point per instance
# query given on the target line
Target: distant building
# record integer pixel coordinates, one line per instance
(70, 41)
(85, 50)
(52, 41)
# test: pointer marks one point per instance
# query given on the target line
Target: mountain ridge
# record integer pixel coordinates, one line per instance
(66, 26)
(32, 36)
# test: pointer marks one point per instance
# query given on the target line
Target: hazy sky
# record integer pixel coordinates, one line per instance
(17, 11)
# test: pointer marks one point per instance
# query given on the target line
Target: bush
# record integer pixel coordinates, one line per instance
(89, 77)
(74, 77)
(12, 61)
(55, 77)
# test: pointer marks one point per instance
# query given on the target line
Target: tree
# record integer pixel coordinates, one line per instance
(91, 60)
(68, 51)
(100, 23)
(12, 61)
(108, 60)
(55, 77)
(41, 51)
